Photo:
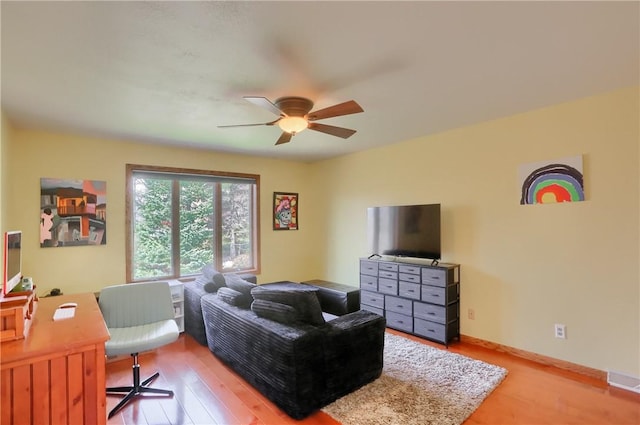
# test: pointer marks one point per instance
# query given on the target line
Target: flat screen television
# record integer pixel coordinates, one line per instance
(405, 231)
(12, 261)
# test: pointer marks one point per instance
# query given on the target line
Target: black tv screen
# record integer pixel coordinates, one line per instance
(405, 231)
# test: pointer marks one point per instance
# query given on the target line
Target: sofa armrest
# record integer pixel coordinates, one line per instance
(354, 348)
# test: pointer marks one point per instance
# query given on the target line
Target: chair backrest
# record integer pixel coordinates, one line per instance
(134, 304)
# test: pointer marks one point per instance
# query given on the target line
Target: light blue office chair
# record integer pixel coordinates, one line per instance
(139, 317)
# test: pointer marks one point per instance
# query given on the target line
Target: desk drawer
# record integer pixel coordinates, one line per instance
(368, 282)
(372, 298)
(398, 305)
(399, 321)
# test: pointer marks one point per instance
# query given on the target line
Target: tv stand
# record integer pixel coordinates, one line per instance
(423, 300)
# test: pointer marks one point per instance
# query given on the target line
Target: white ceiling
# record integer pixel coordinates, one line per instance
(171, 72)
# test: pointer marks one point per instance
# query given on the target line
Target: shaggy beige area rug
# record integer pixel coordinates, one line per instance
(419, 385)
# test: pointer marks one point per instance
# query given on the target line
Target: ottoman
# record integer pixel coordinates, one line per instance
(336, 298)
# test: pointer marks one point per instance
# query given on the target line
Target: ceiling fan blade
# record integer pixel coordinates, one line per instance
(249, 125)
(346, 108)
(284, 138)
(265, 103)
(345, 133)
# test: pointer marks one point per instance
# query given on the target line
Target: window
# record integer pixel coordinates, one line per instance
(181, 220)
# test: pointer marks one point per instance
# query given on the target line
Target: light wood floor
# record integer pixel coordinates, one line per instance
(207, 392)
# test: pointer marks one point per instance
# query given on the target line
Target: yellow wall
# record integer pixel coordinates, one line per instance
(523, 268)
(286, 255)
(5, 142)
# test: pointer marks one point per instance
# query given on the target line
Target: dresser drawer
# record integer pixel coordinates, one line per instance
(398, 305)
(388, 275)
(433, 276)
(389, 267)
(376, 310)
(437, 295)
(369, 267)
(399, 321)
(409, 269)
(429, 329)
(372, 298)
(368, 282)
(409, 290)
(432, 312)
(432, 294)
(435, 313)
(406, 277)
(388, 286)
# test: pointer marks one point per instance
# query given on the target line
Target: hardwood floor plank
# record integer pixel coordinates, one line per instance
(208, 392)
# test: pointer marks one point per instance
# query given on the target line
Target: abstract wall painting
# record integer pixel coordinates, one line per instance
(549, 182)
(72, 212)
(285, 211)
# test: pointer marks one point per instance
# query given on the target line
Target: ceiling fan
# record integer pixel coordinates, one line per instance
(294, 116)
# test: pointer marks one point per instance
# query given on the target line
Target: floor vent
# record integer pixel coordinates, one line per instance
(621, 380)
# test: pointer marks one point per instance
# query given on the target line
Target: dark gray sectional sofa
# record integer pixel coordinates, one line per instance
(278, 344)
(193, 292)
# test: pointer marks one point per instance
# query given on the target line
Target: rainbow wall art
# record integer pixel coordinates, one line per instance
(550, 182)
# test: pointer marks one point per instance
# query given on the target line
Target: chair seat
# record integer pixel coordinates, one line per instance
(136, 339)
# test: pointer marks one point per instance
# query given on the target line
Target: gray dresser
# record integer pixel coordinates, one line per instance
(417, 299)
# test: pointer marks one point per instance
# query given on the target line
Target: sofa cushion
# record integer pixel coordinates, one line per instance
(303, 298)
(278, 312)
(206, 283)
(212, 286)
(213, 275)
(239, 284)
(201, 280)
(232, 297)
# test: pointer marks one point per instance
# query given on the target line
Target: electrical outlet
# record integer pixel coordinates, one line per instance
(471, 314)
(560, 331)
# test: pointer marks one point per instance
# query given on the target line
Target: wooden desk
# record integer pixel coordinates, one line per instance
(56, 375)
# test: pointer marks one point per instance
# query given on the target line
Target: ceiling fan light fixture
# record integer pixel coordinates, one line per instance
(293, 125)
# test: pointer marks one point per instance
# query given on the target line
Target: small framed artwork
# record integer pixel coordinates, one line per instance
(550, 182)
(285, 211)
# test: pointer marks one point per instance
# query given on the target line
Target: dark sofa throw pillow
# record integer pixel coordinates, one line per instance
(201, 280)
(303, 299)
(232, 297)
(277, 312)
(239, 284)
(210, 273)
(206, 284)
